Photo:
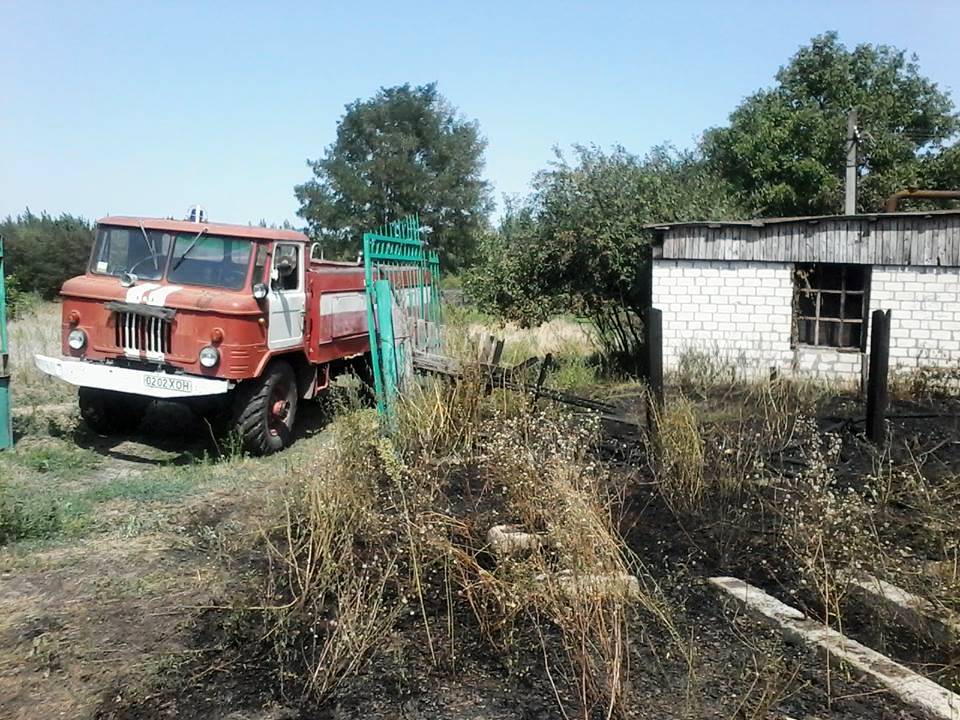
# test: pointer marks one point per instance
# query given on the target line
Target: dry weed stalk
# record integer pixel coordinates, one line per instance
(547, 468)
(335, 563)
(680, 447)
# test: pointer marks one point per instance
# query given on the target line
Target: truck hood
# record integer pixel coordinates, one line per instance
(162, 294)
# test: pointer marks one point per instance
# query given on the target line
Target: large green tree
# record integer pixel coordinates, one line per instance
(578, 244)
(42, 251)
(406, 150)
(784, 150)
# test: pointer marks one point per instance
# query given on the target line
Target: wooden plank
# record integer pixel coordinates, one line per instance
(653, 330)
(831, 244)
(497, 352)
(886, 241)
(951, 236)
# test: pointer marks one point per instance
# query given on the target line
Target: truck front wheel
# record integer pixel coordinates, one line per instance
(266, 409)
(108, 411)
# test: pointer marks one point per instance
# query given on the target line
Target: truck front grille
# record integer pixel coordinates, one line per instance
(140, 333)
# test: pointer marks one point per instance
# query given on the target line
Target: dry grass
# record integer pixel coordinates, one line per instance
(680, 450)
(330, 596)
(581, 581)
(558, 336)
(36, 331)
(390, 527)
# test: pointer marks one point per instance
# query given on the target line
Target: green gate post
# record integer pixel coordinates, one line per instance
(6, 426)
(388, 354)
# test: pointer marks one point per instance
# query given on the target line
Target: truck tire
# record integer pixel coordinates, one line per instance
(266, 409)
(108, 412)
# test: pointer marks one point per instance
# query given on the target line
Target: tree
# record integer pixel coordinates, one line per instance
(43, 251)
(579, 244)
(784, 150)
(404, 151)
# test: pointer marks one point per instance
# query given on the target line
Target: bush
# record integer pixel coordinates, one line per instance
(580, 244)
(28, 519)
(19, 303)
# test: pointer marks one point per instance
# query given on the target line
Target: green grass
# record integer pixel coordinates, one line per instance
(51, 490)
(146, 488)
(55, 457)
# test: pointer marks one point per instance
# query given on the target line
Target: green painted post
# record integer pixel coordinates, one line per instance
(387, 348)
(6, 425)
(368, 252)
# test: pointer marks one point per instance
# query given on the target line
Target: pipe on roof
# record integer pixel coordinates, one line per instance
(891, 203)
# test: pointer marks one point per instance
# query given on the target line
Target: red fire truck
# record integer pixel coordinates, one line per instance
(239, 323)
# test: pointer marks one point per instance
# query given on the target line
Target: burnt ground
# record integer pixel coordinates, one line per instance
(150, 626)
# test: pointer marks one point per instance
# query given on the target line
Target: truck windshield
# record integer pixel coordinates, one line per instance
(210, 260)
(121, 250)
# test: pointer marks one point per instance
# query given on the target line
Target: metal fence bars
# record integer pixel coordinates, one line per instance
(402, 280)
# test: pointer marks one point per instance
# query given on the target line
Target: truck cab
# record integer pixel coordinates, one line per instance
(224, 318)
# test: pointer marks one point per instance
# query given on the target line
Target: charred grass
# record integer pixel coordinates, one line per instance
(774, 482)
(373, 580)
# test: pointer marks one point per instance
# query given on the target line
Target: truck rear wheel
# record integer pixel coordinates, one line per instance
(108, 412)
(266, 409)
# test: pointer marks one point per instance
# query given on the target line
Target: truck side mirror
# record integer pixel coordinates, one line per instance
(260, 291)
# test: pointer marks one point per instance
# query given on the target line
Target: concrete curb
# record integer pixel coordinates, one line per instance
(910, 687)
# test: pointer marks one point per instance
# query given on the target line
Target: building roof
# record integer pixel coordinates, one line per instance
(185, 226)
(761, 222)
(901, 238)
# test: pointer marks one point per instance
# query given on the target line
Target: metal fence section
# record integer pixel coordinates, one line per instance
(6, 427)
(402, 280)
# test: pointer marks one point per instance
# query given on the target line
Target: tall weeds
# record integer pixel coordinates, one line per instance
(389, 527)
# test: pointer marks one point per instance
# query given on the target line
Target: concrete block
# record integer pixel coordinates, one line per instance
(902, 682)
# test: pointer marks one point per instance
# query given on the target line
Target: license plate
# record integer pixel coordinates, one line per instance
(168, 382)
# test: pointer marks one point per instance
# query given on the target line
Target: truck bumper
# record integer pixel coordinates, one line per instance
(136, 382)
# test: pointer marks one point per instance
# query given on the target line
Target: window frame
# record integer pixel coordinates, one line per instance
(843, 292)
(298, 271)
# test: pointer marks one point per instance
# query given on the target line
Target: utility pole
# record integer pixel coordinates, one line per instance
(853, 136)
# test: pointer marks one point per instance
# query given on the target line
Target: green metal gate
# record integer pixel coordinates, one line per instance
(6, 428)
(403, 304)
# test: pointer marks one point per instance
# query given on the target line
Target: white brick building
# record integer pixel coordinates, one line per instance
(796, 294)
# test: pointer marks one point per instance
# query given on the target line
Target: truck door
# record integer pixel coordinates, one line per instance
(287, 297)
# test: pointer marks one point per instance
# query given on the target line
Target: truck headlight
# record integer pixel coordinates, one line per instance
(209, 356)
(77, 339)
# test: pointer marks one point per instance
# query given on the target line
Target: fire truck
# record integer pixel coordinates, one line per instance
(239, 323)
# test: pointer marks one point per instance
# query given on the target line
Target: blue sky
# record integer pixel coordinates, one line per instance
(147, 108)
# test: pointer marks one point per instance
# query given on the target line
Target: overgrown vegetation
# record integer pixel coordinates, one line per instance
(577, 245)
(381, 534)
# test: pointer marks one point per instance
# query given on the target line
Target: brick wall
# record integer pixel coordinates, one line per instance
(735, 314)
(925, 313)
(738, 315)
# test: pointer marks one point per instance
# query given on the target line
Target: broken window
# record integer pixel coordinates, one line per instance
(829, 304)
